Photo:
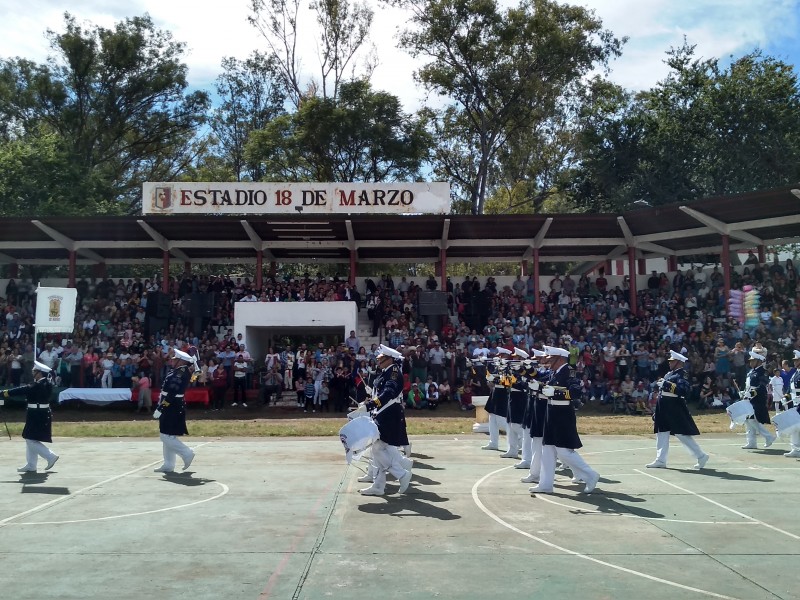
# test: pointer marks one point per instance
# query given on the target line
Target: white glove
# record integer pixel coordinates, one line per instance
(2, 402)
(533, 385)
(549, 391)
(753, 392)
(368, 389)
(156, 413)
(490, 377)
(660, 383)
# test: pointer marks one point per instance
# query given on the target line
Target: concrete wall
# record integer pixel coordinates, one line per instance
(257, 321)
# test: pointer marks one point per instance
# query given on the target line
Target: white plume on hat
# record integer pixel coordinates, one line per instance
(555, 351)
(538, 353)
(677, 356)
(521, 353)
(37, 366)
(796, 355)
(386, 351)
(757, 356)
(502, 350)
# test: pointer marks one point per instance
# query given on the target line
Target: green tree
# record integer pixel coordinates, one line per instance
(250, 97)
(506, 75)
(342, 31)
(115, 101)
(703, 131)
(362, 135)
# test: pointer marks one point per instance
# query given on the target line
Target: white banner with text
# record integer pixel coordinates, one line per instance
(295, 198)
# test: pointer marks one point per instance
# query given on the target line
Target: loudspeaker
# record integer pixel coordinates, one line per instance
(201, 305)
(432, 303)
(153, 325)
(158, 305)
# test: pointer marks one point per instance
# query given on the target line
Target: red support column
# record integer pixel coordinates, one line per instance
(619, 267)
(165, 272)
(762, 254)
(641, 266)
(607, 268)
(259, 269)
(187, 267)
(71, 272)
(726, 265)
(353, 267)
(273, 269)
(524, 268)
(13, 271)
(100, 271)
(632, 273)
(672, 263)
(536, 290)
(443, 267)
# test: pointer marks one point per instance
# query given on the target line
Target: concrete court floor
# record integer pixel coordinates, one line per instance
(282, 518)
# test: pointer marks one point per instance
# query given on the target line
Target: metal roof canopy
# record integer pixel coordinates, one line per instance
(761, 218)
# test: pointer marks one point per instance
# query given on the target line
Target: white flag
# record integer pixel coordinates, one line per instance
(55, 309)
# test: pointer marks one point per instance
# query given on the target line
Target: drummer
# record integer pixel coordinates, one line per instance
(793, 403)
(671, 416)
(756, 391)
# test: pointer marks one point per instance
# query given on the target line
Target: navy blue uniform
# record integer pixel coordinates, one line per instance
(561, 427)
(497, 404)
(536, 410)
(671, 413)
(757, 380)
(517, 397)
(391, 421)
(171, 402)
(38, 419)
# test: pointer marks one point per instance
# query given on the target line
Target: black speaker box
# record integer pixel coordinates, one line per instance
(158, 305)
(432, 303)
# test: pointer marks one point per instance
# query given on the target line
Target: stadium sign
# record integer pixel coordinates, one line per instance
(290, 198)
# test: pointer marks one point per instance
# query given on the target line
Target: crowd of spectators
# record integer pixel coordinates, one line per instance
(618, 354)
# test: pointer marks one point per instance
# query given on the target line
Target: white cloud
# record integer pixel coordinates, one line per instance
(213, 29)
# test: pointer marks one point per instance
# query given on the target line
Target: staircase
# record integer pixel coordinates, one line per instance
(364, 330)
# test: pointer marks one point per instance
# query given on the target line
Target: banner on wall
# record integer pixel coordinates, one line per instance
(55, 309)
(173, 198)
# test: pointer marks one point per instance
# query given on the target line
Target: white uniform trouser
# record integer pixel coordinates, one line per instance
(495, 423)
(172, 447)
(33, 450)
(106, 380)
(794, 441)
(570, 458)
(514, 435)
(386, 458)
(527, 448)
(536, 458)
(753, 428)
(662, 445)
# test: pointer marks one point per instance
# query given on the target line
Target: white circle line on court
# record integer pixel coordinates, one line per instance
(224, 491)
(55, 501)
(580, 555)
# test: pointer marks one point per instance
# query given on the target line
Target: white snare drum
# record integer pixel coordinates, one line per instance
(739, 411)
(358, 435)
(786, 423)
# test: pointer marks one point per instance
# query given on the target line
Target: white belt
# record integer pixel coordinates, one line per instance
(559, 402)
(38, 406)
(388, 404)
(669, 394)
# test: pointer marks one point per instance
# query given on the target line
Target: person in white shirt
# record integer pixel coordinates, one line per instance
(107, 364)
(48, 357)
(776, 385)
(239, 380)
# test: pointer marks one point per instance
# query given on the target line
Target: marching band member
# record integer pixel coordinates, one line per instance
(387, 407)
(516, 384)
(497, 404)
(756, 391)
(535, 417)
(671, 416)
(560, 430)
(793, 403)
(38, 418)
(171, 410)
(521, 387)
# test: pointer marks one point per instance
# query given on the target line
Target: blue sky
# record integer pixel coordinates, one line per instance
(213, 29)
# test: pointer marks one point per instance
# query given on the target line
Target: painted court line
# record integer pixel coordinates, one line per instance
(224, 491)
(55, 501)
(715, 503)
(544, 542)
